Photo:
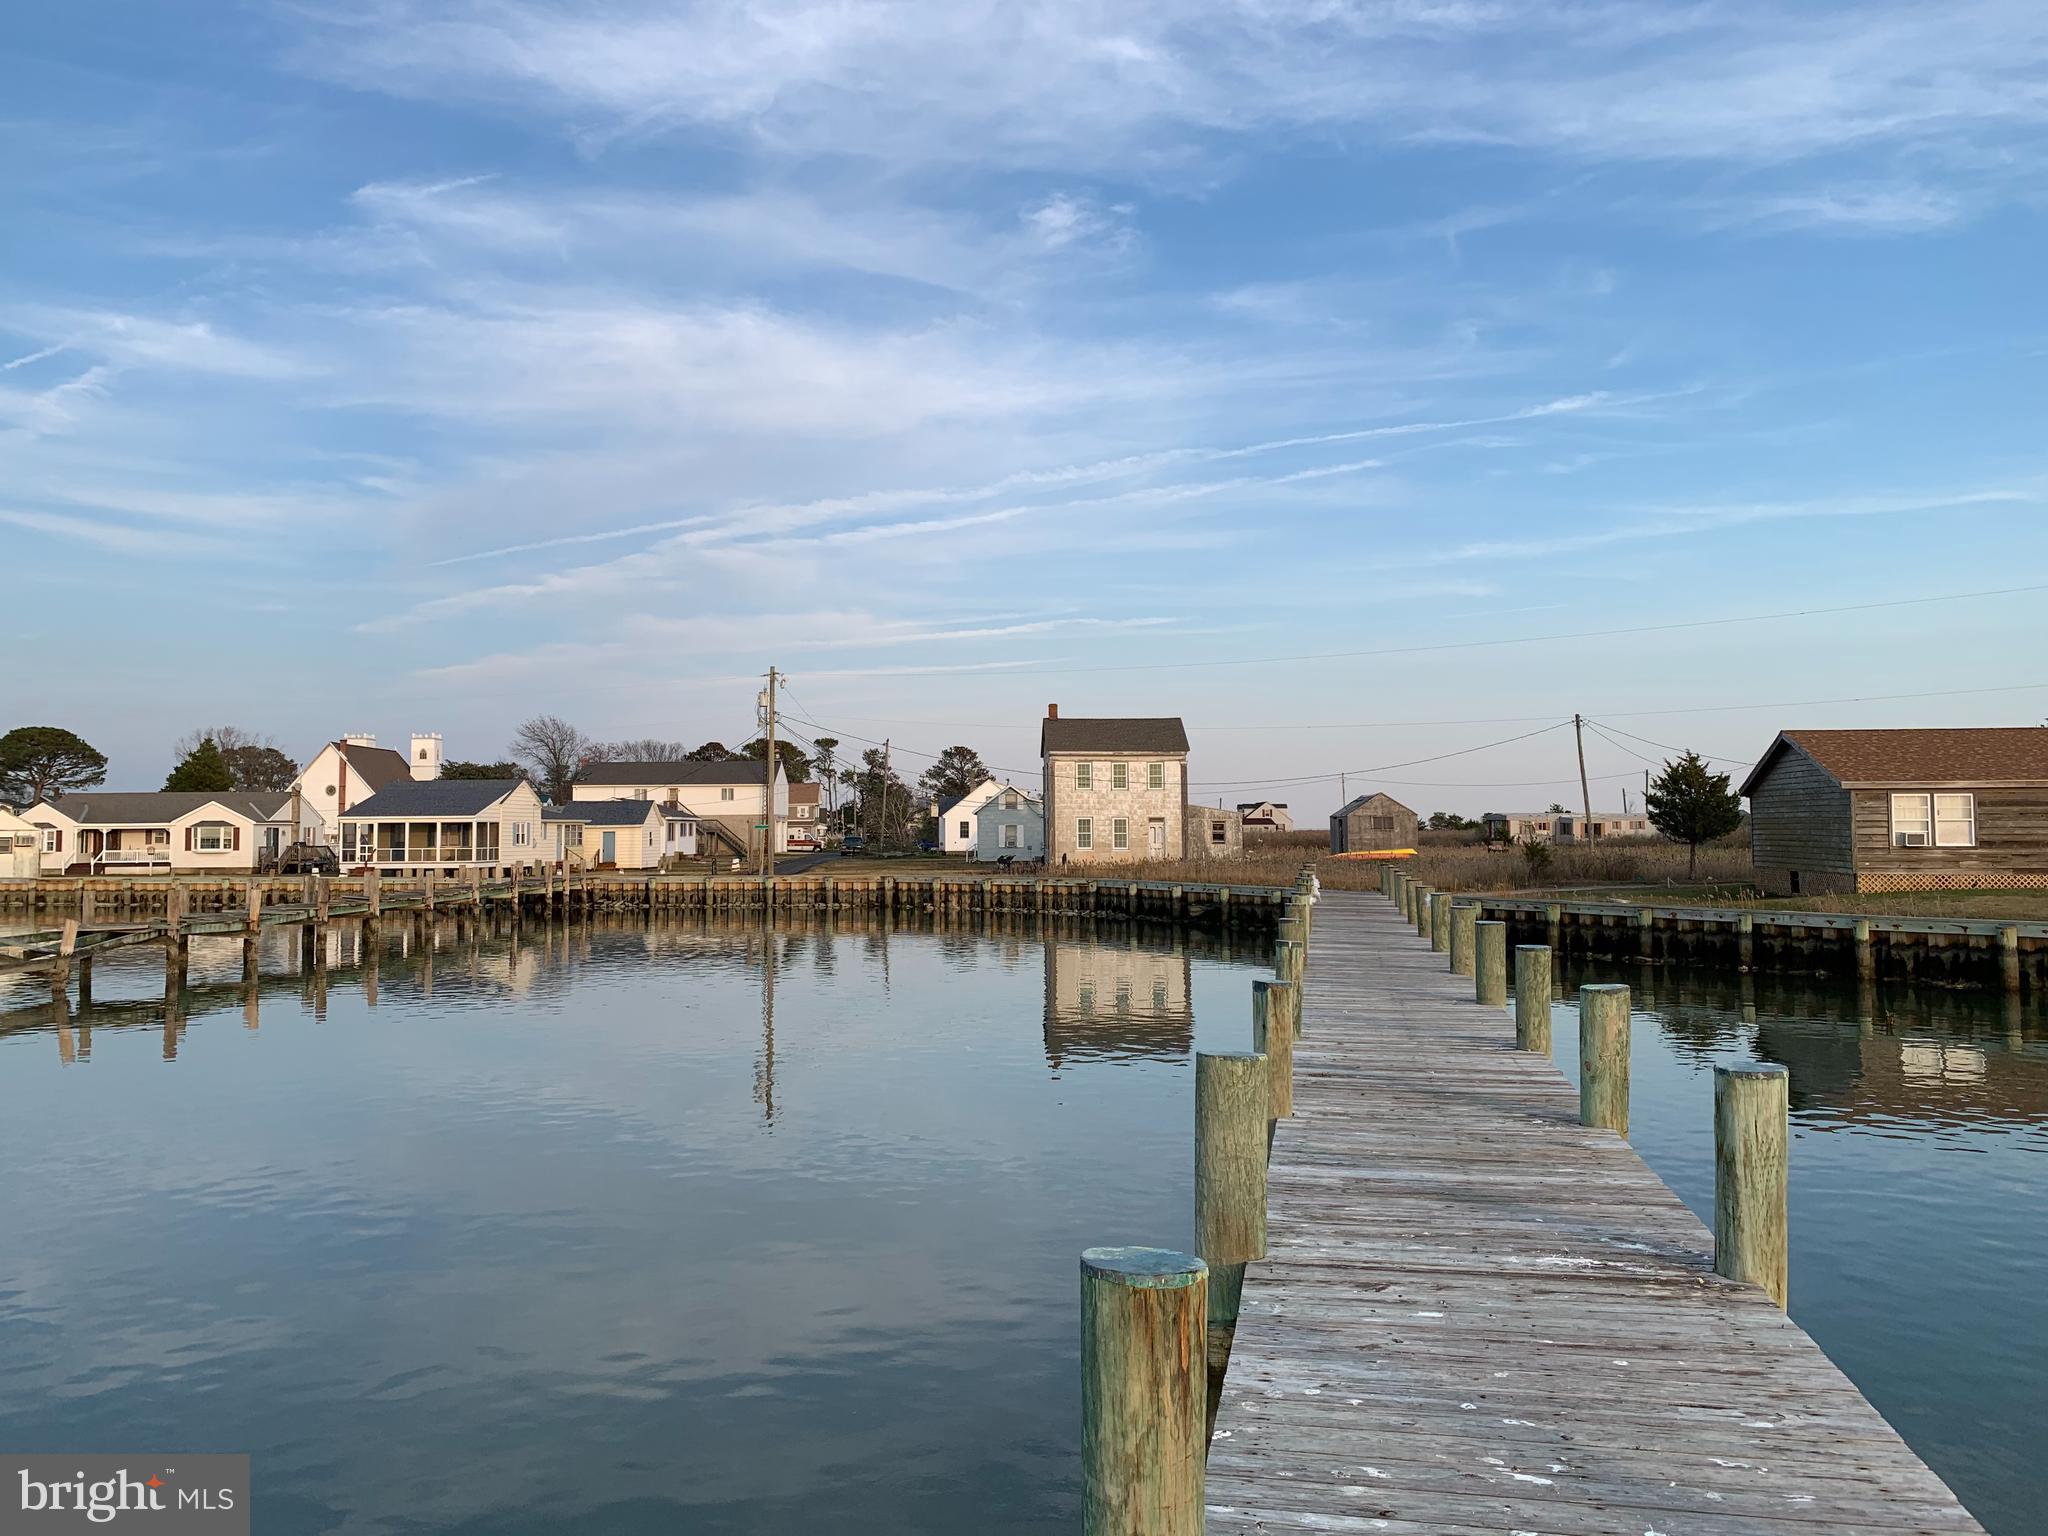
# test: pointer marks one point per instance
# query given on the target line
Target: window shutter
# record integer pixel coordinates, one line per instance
(60, 839)
(188, 839)
(235, 840)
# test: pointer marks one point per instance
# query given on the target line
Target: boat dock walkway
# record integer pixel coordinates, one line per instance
(1478, 1315)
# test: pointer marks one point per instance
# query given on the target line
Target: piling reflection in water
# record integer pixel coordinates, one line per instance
(1919, 1161)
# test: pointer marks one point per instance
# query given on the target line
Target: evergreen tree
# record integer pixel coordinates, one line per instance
(1690, 803)
(954, 772)
(40, 762)
(203, 768)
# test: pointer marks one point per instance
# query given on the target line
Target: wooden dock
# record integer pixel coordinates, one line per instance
(1478, 1315)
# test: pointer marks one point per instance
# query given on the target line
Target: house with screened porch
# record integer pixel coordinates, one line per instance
(447, 827)
(1901, 810)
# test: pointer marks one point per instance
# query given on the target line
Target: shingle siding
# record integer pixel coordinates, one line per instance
(1799, 824)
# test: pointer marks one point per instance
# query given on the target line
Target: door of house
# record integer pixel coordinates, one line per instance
(1155, 837)
(611, 849)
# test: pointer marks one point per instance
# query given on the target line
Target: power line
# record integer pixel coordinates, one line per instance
(1467, 645)
(1712, 757)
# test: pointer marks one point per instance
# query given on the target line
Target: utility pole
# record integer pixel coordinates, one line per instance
(888, 778)
(1586, 795)
(1343, 796)
(768, 797)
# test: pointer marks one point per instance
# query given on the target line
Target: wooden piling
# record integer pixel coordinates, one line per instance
(1440, 922)
(1274, 1005)
(1866, 950)
(1289, 960)
(1490, 964)
(1751, 1176)
(1464, 918)
(1144, 1380)
(1532, 997)
(1423, 895)
(1231, 1096)
(1603, 1056)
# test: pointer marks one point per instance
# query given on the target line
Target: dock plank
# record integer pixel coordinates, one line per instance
(1479, 1315)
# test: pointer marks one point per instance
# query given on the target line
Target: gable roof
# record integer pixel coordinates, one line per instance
(92, 808)
(375, 766)
(739, 770)
(433, 797)
(1139, 733)
(805, 793)
(1360, 802)
(995, 801)
(1918, 757)
(1253, 805)
(603, 813)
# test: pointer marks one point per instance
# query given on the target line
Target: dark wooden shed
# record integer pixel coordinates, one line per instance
(1901, 810)
(1371, 823)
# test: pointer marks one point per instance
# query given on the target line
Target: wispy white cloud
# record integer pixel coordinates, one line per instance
(151, 341)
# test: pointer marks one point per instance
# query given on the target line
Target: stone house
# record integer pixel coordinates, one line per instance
(1212, 832)
(1115, 788)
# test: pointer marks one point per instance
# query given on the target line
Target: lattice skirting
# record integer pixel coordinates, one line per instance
(1952, 880)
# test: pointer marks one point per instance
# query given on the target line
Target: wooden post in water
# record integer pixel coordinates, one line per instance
(1274, 1005)
(1603, 1056)
(1745, 940)
(1231, 1096)
(1532, 997)
(1144, 1381)
(1289, 961)
(2009, 956)
(373, 901)
(1440, 921)
(1490, 964)
(1866, 951)
(1751, 1177)
(1464, 919)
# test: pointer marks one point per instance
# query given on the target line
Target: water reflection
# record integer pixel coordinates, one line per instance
(1919, 1162)
(699, 1225)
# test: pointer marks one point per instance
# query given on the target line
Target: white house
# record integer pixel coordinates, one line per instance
(1010, 824)
(346, 772)
(21, 847)
(730, 796)
(956, 816)
(609, 834)
(451, 826)
(1265, 816)
(181, 831)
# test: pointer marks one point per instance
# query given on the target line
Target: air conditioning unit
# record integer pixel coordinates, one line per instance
(1909, 840)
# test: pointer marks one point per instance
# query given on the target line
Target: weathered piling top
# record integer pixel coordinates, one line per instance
(1479, 1315)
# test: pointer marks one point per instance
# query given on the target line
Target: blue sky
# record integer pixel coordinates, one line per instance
(393, 366)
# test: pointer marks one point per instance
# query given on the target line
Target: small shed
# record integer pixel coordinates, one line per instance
(609, 834)
(21, 847)
(1373, 823)
(1212, 832)
(1900, 810)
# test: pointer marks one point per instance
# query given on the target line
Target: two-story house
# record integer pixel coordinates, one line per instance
(347, 771)
(728, 800)
(1115, 790)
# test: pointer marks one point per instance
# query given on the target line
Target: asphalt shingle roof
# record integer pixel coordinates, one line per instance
(1993, 755)
(94, 808)
(376, 766)
(1157, 733)
(612, 775)
(433, 797)
(602, 813)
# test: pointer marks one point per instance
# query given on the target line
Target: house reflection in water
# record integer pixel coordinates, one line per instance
(1116, 999)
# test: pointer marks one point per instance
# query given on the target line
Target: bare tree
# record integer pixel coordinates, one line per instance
(254, 761)
(644, 749)
(551, 749)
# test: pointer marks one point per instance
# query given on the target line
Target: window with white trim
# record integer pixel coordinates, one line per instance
(1155, 775)
(1119, 775)
(1084, 775)
(725, 793)
(52, 840)
(1009, 834)
(1912, 821)
(967, 829)
(1084, 833)
(1955, 821)
(1120, 834)
(213, 837)
(522, 834)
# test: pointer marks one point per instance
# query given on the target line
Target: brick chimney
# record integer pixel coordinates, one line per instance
(1052, 711)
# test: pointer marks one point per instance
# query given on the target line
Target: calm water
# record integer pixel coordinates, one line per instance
(1919, 1194)
(700, 1228)
(686, 1229)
